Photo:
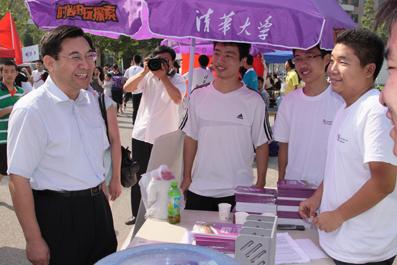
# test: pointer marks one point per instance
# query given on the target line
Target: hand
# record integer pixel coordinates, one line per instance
(38, 252)
(308, 208)
(328, 221)
(185, 184)
(145, 67)
(114, 188)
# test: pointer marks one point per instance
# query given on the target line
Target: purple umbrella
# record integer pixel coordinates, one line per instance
(281, 24)
(110, 18)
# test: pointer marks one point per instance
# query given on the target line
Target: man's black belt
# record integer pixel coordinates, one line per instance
(74, 193)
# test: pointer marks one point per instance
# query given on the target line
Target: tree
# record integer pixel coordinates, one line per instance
(22, 20)
(368, 20)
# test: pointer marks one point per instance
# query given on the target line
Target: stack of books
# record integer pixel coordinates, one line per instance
(255, 200)
(218, 236)
(290, 193)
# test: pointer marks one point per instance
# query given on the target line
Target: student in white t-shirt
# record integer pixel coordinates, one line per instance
(225, 125)
(201, 75)
(357, 200)
(162, 92)
(37, 74)
(304, 120)
(134, 69)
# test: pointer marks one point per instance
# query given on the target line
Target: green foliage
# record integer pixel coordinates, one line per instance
(368, 20)
(27, 32)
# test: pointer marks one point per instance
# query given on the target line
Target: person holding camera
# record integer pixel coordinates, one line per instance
(162, 92)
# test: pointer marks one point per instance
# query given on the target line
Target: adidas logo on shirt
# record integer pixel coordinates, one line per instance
(240, 116)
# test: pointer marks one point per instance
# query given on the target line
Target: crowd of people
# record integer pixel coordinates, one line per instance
(333, 132)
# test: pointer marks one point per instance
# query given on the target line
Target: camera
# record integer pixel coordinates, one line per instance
(155, 63)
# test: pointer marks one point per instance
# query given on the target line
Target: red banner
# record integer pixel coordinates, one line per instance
(9, 37)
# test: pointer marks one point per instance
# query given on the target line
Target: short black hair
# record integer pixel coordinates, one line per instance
(163, 49)
(290, 63)
(250, 59)
(10, 63)
(203, 60)
(243, 48)
(322, 51)
(366, 45)
(260, 78)
(137, 59)
(51, 42)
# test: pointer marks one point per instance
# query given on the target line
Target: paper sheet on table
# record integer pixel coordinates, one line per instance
(313, 251)
(288, 251)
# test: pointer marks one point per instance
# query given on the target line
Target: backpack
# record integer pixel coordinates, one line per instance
(129, 168)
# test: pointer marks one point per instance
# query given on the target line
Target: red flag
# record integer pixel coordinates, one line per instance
(9, 37)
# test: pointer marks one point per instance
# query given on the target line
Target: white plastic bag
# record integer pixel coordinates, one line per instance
(154, 189)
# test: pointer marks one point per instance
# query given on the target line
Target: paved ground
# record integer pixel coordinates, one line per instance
(12, 243)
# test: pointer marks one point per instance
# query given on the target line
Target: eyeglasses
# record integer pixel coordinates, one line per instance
(306, 58)
(78, 58)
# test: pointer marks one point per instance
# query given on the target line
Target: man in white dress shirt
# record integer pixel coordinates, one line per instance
(57, 141)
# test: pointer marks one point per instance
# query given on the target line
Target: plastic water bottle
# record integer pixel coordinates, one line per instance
(174, 206)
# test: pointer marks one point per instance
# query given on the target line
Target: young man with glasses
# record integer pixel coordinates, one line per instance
(304, 119)
(57, 139)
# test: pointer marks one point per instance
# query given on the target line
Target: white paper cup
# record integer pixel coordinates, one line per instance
(224, 211)
(240, 217)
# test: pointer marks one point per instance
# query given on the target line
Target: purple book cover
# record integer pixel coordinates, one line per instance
(255, 191)
(288, 202)
(254, 199)
(289, 184)
(216, 230)
(295, 193)
(290, 215)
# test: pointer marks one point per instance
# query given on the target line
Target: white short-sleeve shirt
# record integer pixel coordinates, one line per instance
(359, 135)
(56, 142)
(131, 71)
(304, 123)
(227, 128)
(157, 113)
(37, 81)
(201, 76)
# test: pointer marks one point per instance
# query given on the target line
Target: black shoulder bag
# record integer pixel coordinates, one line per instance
(129, 168)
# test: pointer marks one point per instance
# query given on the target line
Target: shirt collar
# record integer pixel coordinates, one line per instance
(59, 96)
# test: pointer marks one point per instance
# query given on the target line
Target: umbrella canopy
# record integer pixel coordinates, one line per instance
(277, 56)
(110, 18)
(6, 53)
(281, 24)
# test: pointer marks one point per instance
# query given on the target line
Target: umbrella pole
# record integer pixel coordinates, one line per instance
(191, 66)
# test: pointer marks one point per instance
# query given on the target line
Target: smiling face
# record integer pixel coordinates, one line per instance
(226, 61)
(389, 93)
(348, 78)
(73, 68)
(310, 65)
